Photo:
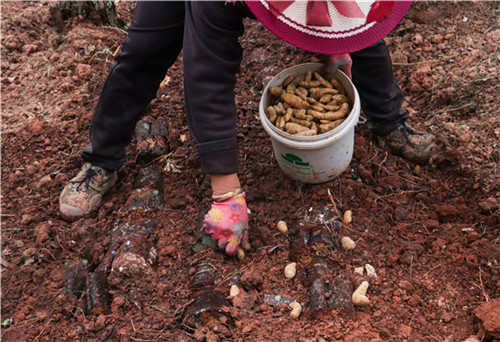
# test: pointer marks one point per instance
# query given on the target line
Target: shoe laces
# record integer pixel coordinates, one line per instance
(408, 131)
(84, 182)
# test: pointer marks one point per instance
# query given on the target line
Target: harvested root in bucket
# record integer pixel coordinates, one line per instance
(308, 105)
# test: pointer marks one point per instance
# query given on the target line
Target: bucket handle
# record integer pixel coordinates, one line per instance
(362, 119)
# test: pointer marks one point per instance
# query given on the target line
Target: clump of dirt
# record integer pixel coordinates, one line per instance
(430, 231)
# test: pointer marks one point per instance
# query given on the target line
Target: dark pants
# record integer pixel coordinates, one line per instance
(212, 56)
(153, 44)
(381, 97)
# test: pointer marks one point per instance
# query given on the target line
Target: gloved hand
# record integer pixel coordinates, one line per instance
(334, 62)
(227, 221)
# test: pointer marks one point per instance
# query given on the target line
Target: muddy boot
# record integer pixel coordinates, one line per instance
(83, 195)
(409, 143)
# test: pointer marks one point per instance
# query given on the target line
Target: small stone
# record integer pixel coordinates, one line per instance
(446, 317)
(431, 223)
(488, 313)
(239, 301)
(117, 304)
(489, 205)
(29, 48)
(252, 280)
(406, 285)
(26, 219)
(44, 182)
(170, 250)
(18, 244)
(417, 39)
(42, 233)
(83, 71)
(406, 330)
(247, 329)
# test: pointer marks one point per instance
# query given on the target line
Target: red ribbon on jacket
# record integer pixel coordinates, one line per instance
(318, 14)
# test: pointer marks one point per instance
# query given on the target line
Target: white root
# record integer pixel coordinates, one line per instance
(359, 270)
(240, 253)
(291, 270)
(296, 310)
(359, 297)
(348, 243)
(234, 291)
(282, 227)
(348, 217)
(370, 271)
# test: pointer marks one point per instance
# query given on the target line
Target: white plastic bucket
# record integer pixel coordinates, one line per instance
(319, 158)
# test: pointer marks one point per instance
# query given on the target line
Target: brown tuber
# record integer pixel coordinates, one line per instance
(326, 127)
(276, 91)
(287, 81)
(271, 114)
(294, 101)
(337, 85)
(310, 103)
(293, 128)
(308, 133)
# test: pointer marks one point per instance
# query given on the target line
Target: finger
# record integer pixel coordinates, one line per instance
(347, 70)
(222, 242)
(208, 227)
(232, 246)
(245, 242)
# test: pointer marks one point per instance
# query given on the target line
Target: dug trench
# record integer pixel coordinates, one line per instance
(315, 245)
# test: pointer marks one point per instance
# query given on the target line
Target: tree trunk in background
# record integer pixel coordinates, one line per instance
(100, 12)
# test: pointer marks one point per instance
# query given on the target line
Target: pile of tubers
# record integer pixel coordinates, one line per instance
(308, 105)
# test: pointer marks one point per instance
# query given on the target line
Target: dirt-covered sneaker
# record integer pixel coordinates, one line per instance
(410, 144)
(83, 194)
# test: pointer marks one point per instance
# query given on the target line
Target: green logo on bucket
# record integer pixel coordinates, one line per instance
(292, 158)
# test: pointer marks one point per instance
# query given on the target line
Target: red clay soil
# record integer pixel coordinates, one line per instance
(430, 231)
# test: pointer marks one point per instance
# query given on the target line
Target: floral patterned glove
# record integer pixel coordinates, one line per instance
(340, 61)
(227, 221)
